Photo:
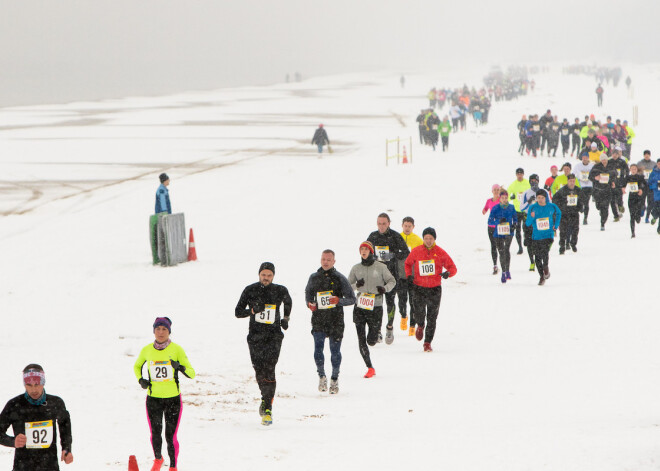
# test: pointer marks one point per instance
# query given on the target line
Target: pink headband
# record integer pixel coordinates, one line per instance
(34, 377)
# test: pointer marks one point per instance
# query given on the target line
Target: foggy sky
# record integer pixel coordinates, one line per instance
(61, 50)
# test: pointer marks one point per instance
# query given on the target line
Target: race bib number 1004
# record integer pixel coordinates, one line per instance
(366, 301)
(39, 434)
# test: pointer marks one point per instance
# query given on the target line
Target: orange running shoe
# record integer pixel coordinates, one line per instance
(370, 373)
(158, 462)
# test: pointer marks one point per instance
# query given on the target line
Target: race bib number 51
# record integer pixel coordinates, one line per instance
(543, 224)
(366, 301)
(267, 316)
(323, 300)
(39, 434)
(161, 371)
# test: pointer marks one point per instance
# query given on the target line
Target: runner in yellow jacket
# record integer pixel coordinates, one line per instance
(403, 290)
(163, 360)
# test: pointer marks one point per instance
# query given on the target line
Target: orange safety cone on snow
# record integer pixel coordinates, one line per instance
(132, 464)
(192, 253)
(405, 156)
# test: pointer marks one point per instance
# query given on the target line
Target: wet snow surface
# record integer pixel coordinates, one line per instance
(560, 377)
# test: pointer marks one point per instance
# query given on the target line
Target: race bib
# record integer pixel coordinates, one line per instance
(520, 196)
(572, 200)
(504, 229)
(435, 126)
(382, 250)
(647, 174)
(366, 301)
(604, 178)
(445, 129)
(632, 186)
(584, 176)
(564, 132)
(543, 224)
(427, 267)
(39, 434)
(323, 300)
(618, 172)
(576, 131)
(161, 371)
(536, 127)
(267, 316)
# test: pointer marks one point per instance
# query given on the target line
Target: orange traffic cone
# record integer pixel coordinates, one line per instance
(405, 156)
(192, 253)
(132, 464)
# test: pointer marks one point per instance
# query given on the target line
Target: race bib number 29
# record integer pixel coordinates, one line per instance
(161, 371)
(39, 434)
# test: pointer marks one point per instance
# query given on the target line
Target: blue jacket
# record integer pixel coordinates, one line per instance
(654, 183)
(497, 213)
(550, 211)
(163, 200)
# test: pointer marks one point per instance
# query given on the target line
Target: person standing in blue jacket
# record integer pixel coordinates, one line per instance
(503, 217)
(654, 184)
(544, 218)
(163, 195)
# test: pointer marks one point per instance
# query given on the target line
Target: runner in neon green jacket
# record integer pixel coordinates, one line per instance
(164, 360)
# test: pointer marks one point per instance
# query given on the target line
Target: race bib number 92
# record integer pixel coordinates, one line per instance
(39, 434)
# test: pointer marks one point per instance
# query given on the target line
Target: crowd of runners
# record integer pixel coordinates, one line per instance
(533, 214)
(543, 135)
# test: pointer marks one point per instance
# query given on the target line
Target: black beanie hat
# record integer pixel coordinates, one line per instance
(541, 192)
(163, 177)
(429, 230)
(267, 266)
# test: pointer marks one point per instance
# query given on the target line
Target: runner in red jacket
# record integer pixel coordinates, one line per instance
(424, 269)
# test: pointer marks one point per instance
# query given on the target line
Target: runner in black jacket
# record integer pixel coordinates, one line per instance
(33, 416)
(261, 303)
(636, 187)
(326, 294)
(603, 176)
(389, 247)
(570, 202)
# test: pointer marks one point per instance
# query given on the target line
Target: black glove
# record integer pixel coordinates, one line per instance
(445, 275)
(145, 383)
(284, 323)
(257, 306)
(502, 220)
(360, 283)
(177, 366)
(411, 279)
(380, 289)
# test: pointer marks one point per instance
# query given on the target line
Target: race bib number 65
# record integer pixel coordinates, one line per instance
(39, 434)
(323, 300)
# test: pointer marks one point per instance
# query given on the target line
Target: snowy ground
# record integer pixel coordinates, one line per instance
(562, 377)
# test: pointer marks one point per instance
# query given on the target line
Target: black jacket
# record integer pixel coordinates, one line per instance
(565, 131)
(622, 171)
(398, 250)
(255, 297)
(17, 412)
(641, 185)
(320, 137)
(600, 169)
(329, 320)
(561, 199)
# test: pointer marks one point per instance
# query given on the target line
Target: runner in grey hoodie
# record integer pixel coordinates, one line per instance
(371, 279)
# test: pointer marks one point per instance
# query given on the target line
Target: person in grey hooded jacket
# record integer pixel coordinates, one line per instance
(371, 279)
